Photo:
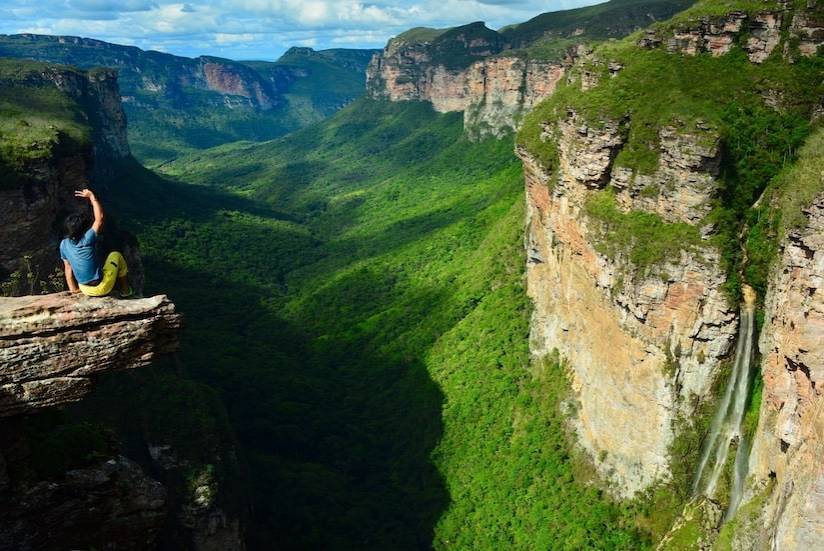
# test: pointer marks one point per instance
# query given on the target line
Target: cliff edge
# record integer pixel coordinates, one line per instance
(496, 77)
(51, 345)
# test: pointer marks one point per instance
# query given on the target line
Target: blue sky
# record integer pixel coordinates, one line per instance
(257, 29)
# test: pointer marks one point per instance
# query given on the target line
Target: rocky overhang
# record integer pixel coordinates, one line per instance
(52, 345)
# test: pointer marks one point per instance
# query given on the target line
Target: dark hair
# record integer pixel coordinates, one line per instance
(75, 226)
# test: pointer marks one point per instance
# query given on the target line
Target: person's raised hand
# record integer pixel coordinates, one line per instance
(84, 193)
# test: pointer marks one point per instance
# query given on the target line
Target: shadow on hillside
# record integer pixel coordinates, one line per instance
(150, 197)
(337, 434)
(337, 431)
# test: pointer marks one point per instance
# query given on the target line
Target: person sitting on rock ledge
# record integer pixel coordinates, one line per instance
(78, 251)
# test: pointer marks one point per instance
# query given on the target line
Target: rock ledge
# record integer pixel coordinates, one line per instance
(50, 345)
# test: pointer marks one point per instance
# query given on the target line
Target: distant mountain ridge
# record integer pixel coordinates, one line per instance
(495, 77)
(177, 103)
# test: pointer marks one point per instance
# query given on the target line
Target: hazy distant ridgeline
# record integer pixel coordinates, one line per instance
(176, 103)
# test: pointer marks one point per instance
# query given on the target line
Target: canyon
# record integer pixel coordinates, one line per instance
(645, 347)
(659, 353)
(177, 104)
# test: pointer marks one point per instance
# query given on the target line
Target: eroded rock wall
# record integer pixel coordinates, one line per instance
(494, 93)
(758, 33)
(32, 211)
(789, 443)
(641, 345)
(42, 192)
(98, 94)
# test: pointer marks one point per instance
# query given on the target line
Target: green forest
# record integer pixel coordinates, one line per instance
(354, 371)
(354, 295)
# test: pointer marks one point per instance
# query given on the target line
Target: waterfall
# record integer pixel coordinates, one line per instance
(725, 430)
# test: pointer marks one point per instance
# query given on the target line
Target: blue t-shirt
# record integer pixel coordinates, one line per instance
(82, 255)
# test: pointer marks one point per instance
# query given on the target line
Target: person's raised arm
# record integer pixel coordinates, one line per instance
(98, 210)
(70, 281)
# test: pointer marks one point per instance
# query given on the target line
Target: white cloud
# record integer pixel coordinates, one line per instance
(257, 28)
(225, 38)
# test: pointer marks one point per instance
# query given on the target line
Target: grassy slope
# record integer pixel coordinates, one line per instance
(547, 36)
(371, 346)
(613, 19)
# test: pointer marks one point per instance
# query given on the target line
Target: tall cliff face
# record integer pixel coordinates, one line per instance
(98, 94)
(493, 93)
(624, 265)
(790, 439)
(495, 77)
(641, 344)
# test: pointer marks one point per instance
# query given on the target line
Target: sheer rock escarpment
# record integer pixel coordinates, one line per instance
(493, 93)
(646, 333)
(51, 345)
(641, 344)
(98, 94)
(786, 459)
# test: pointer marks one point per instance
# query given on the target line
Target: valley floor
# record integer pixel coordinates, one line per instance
(354, 294)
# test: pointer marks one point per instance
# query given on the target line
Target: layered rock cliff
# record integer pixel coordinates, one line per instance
(98, 94)
(493, 93)
(641, 344)
(152, 71)
(789, 443)
(51, 345)
(495, 77)
(624, 267)
(758, 32)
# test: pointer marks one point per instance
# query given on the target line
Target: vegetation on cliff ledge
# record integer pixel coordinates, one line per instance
(760, 112)
(34, 119)
(645, 236)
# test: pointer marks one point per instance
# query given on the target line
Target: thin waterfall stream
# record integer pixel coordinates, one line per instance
(726, 428)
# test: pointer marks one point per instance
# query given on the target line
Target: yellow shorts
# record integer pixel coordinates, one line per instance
(113, 268)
